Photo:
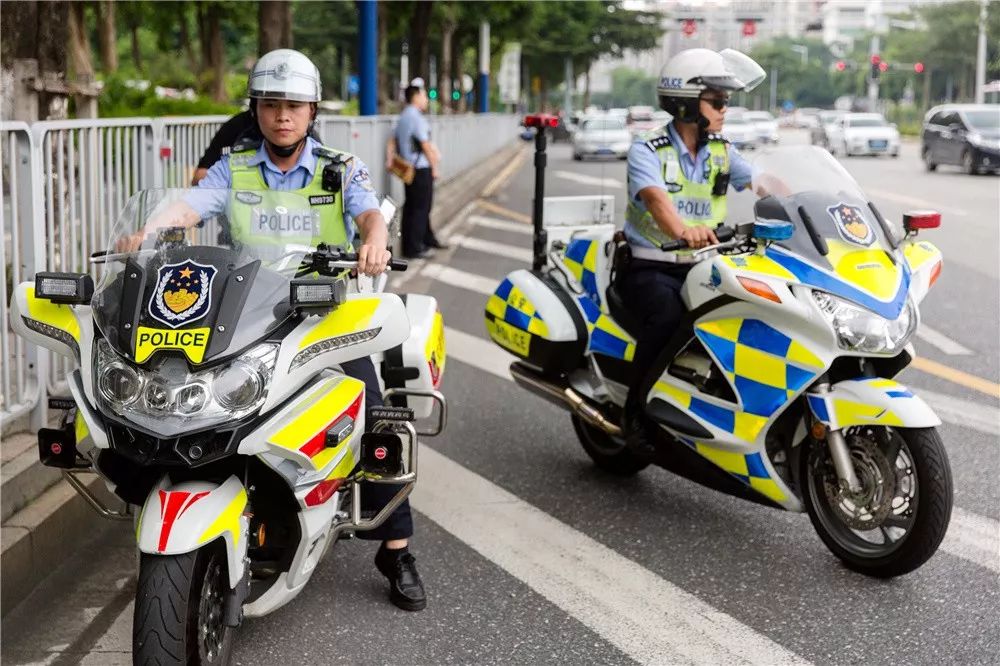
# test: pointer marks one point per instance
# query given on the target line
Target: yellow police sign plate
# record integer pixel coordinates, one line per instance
(192, 342)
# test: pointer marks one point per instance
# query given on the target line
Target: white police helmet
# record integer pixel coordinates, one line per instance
(284, 74)
(693, 71)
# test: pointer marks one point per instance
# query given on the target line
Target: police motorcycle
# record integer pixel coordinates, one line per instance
(208, 395)
(779, 386)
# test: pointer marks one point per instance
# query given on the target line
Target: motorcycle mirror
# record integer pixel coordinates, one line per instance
(921, 219)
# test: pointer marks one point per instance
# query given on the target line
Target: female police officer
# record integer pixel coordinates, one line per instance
(678, 176)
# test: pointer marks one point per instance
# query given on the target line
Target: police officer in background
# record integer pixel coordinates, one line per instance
(412, 141)
(678, 176)
(284, 88)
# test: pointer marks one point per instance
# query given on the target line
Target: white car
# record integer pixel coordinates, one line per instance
(766, 125)
(864, 134)
(739, 131)
(606, 136)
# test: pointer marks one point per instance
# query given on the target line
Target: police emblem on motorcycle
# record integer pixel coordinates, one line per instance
(183, 293)
(851, 224)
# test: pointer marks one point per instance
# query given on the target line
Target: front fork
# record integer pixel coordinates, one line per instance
(839, 451)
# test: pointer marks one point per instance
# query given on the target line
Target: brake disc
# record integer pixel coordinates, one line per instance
(866, 508)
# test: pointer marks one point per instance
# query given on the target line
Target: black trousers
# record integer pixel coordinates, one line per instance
(653, 297)
(416, 229)
(374, 496)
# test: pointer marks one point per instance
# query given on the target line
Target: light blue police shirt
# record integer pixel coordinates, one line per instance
(646, 170)
(359, 191)
(412, 125)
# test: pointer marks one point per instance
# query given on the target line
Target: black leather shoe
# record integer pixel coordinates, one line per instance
(438, 245)
(638, 437)
(423, 254)
(406, 590)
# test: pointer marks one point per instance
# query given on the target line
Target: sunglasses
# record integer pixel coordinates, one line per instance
(717, 103)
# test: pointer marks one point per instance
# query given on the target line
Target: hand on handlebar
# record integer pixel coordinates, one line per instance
(698, 237)
(373, 260)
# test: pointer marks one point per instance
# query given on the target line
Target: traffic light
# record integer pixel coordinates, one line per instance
(455, 95)
(841, 65)
(883, 66)
(918, 67)
(876, 67)
(432, 93)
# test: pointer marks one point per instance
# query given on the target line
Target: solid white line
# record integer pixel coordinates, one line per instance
(942, 341)
(461, 279)
(913, 201)
(588, 180)
(973, 538)
(501, 249)
(501, 225)
(644, 616)
(478, 353)
(964, 413)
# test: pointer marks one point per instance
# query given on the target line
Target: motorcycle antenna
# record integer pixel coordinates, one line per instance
(540, 121)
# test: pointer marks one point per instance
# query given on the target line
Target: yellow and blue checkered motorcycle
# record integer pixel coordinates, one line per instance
(209, 389)
(778, 386)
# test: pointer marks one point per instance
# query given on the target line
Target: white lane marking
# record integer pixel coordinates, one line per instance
(501, 225)
(973, 538)
(478, 353)
(461, 279)
(964, 413)
(942, 341)
(501, 249)
(914, 201)
(643, 615)
(588, 180)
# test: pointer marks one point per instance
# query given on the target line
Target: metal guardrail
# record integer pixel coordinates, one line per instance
(63, 183)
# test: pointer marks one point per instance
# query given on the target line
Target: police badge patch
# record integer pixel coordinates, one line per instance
(851, 224)
(249, 198)
(183, 293)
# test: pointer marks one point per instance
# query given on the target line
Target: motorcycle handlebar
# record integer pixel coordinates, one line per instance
(723, 234)
(336, 259)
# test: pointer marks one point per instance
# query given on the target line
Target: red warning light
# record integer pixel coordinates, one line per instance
(918, 67)
(883, 67)
(841, 65)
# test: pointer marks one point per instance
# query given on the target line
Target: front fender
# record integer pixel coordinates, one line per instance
(874, 401)
(184, 517)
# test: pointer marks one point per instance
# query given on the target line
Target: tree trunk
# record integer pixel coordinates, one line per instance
(52, 40)
(81, 63)
(444, 80)
(185, 35)
(271, 25)
(136, 52)
(286, 25)
(108, 37)
(382, 82)
(459, 106)
(927, 89)
(216, 54)
(419, 38)
(586, 89)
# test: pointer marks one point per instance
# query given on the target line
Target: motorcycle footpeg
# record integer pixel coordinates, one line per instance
(381, 454)
(57, 448)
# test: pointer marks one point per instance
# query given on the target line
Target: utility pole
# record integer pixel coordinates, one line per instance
(484, 67)
(404, 67)
(568, 94)
(981, 55)
(367, 63)
(774, 88)
(873, 80)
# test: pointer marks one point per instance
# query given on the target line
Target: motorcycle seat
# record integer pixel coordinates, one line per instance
(620, 313)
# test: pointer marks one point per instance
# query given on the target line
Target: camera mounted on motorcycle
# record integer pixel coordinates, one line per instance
(317, 292)
(66, 288)
(57, 447)
(772, 230)
(921, 219)
(381, 454)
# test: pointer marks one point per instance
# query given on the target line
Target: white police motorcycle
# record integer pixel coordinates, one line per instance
(207, 392)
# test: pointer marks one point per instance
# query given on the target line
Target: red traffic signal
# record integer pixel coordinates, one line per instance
(883, 67)
(918, 67)
(841, 65)
(876, 59)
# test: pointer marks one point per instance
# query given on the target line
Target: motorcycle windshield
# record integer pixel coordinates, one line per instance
(837, 230)
(200, 271)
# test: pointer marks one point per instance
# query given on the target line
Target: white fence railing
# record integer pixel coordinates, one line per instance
(63, 183)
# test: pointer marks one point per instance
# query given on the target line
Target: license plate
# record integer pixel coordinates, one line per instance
(878, 145)
(604, 151)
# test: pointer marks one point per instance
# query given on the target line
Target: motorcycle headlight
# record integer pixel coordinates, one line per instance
(862, 330)
(168, 399)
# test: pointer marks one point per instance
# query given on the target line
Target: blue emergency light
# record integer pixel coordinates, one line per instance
(773, 230)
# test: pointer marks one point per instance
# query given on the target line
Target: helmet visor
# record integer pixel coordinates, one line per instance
(743, 68)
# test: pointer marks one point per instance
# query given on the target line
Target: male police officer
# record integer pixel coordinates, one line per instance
(678, 176)
(284, 88)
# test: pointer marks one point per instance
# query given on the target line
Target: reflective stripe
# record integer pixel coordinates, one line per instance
(55, 315)
(349, 317)
(227, 521)
(245, 177)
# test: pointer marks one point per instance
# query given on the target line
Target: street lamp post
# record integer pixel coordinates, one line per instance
(981, 54)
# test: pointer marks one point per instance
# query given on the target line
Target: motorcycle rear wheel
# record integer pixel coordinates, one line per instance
(902, 513)
(609, 453)
(178, 609)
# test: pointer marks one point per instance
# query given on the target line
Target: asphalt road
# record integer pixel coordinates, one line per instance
(531, 555)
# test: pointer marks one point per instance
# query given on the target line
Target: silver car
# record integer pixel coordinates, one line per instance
(607, 136)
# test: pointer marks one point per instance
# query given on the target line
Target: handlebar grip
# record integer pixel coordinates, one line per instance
(674, 245)
(398, 264)
(722, 234)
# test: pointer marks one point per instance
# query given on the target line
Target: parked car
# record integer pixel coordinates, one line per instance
(806, 117)
(864, 134)
(640, 119)
(820, 135)
(765, 124)
(739, 131)
(605, 136)
(964, 134)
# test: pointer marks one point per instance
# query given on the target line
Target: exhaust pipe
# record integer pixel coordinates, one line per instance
(563, 396)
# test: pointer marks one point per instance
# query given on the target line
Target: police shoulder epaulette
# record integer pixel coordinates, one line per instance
(246, 143)
(331, 154)
(658, 142)
(717, 137)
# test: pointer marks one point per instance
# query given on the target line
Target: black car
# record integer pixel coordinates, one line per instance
(964, 134)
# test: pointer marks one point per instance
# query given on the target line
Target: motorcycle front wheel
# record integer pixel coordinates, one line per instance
(899, 517)
(179, 609)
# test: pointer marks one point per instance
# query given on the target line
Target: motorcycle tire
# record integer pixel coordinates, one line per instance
(177, 595)
(608, 453)
(926, 524)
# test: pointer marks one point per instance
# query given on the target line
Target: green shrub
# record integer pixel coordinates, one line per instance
(117, 100)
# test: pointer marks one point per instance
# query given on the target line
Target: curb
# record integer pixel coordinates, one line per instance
(40, 531)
